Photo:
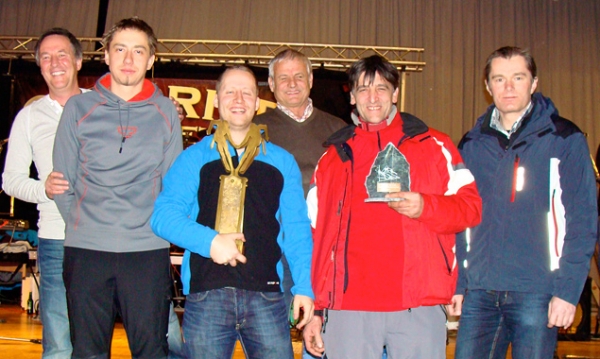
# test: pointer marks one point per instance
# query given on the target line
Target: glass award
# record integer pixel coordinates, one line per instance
(389, 173)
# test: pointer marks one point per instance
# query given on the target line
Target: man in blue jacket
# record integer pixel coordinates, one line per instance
(231, 293)
(523, 268)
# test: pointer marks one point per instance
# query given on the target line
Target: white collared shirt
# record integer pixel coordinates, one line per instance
(307, 111)
(496, 124)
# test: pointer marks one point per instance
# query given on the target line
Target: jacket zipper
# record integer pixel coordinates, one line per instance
(445, 256)
(334, 250)
(346, 254)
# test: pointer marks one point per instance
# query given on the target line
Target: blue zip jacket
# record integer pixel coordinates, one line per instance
(539, 221)
(185, 212)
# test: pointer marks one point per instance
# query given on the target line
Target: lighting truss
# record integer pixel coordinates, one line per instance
(255, 53)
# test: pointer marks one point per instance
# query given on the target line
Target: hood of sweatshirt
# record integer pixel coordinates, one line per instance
(148, 92)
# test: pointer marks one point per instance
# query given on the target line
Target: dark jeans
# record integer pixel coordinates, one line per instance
(101, 284)
(491, 320)
(213, 320)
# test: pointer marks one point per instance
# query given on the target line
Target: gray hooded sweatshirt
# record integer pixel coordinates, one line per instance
(114, 153)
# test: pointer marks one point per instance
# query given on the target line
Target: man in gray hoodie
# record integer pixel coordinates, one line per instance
(114, 144)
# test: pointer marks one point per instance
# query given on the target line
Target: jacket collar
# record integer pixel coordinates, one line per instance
(103, 86)
(539, 119)
(411, 127)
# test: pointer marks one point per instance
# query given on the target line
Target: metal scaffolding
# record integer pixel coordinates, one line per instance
(255, 53)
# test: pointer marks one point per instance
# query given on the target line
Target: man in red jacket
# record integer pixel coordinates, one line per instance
(385, 202)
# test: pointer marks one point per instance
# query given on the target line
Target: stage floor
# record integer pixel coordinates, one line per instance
(15, 323)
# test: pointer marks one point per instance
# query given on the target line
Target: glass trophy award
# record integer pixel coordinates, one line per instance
(389, 173)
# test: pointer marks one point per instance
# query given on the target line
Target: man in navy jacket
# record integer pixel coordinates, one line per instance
(523, 268)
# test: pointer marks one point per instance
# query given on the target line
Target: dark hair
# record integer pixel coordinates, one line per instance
(133, 23)
(75, 44)
(289, 54)
(235, 67)
(508, 52)
(371, 66)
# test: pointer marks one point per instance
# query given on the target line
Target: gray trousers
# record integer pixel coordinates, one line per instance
(409, 334)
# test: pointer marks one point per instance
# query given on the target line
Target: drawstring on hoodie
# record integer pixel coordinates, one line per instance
(123, 130)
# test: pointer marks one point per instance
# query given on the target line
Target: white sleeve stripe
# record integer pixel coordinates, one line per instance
(313, 205)
(458, 177)
(556, 216)
(312, 201)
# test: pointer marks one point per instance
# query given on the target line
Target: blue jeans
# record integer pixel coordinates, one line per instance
(491, 320)
(174, 339)
(53, 300)
(213, 320)
(288, 282)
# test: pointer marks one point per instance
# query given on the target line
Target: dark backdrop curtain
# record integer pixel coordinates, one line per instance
(457, 36)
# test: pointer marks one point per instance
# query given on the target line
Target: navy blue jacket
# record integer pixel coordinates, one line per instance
(539, 212)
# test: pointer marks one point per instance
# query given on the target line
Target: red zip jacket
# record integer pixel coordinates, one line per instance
(368, 257)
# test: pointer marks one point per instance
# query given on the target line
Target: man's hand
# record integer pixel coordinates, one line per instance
(179, 109)
(411, 205)
(455, 306)
(224, 251)
(55, 184)
(560, 313)
(307, 305)
(312, 337)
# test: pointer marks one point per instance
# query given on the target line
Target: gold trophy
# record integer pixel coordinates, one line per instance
(232, 191)
(230, 210)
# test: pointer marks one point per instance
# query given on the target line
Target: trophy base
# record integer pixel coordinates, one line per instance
(384, 199)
